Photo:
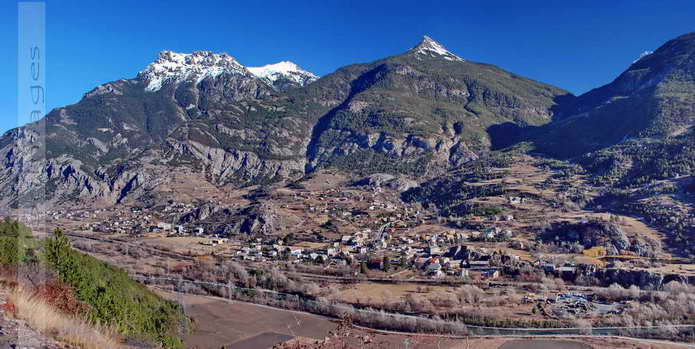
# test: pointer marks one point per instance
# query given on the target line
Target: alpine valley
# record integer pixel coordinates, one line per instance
(420, 192)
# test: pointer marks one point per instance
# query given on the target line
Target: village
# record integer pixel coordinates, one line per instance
(388, 251)
(329, 223)
(388, 236)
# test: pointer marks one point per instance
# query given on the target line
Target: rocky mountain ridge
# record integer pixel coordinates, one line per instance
(175, 68)
(420, 113)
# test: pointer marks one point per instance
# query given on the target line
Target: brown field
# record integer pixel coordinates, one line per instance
(381, 293)
(219, 322)
(240, 325)
(324, 180)
(186, 243)
(683, 269)
(263, 340)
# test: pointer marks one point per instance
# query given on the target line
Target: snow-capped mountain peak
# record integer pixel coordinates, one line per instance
(271, 73)
(429, 47)
(177, 67)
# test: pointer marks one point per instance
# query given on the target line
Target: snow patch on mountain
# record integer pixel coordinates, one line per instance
(642, 55)
(431, 48)
(178, 67)
(283, 70)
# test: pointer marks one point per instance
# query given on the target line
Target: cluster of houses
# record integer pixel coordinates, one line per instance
(567, 270)
(466, 262)
(172, 229)
(132, 220)
(388, 235)
(257, 251)
(434, 255)
(357, 208)
(421, 253)
(333, 253)
(109, 221)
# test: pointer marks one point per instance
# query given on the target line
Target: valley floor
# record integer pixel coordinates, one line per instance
(218, 322)
(239, 325)
(368, 246)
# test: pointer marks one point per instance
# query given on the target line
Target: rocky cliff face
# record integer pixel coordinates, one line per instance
(644, 279)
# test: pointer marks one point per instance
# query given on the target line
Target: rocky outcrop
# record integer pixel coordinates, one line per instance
(236, 166)
(260, 219)
(438, 151)
(644, 279)
(592, 233)
(202, 211)
(463, 252)
(626, 278)
(385, 180)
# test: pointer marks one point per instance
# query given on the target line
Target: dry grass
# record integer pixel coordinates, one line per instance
(42, 317)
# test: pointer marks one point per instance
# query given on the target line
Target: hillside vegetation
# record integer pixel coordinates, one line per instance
(67, 288)
(114, 298)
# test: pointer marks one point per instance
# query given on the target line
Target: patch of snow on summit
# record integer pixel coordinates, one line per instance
(642, 55)
(429, 47)
(287, 70)
(177, 67)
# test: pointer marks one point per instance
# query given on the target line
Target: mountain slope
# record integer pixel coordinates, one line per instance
(638, 127)
(126, 134)
(422, 110)
(654, 97)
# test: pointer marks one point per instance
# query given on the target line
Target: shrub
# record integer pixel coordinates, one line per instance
(42, 316)
(15, 242)
(114, 298)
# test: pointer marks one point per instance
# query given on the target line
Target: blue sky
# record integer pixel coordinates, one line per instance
(575, 45)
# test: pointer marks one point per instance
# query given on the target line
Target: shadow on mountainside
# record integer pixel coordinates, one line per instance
(508, 134)
(362, 83)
